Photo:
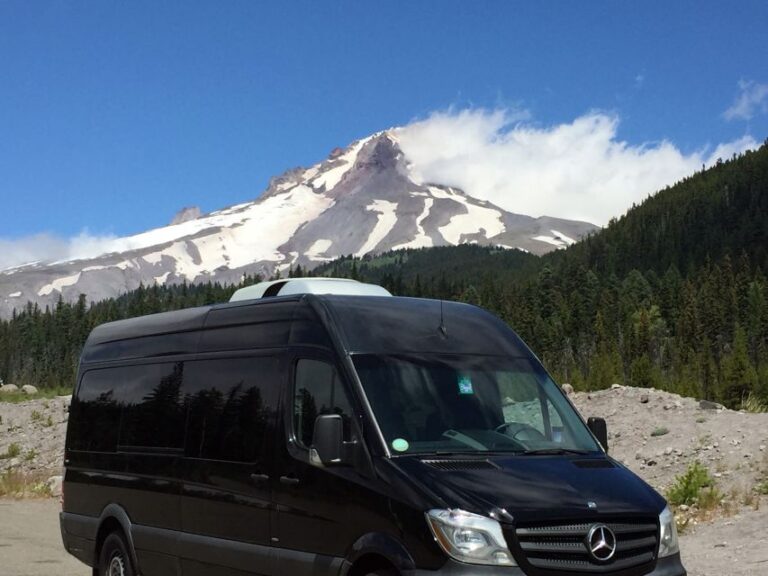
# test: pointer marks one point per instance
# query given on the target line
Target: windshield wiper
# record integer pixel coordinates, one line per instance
(554, 452)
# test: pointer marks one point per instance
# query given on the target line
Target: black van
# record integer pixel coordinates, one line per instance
(315, 434)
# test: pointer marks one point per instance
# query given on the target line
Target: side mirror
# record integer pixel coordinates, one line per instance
(600, 429)
(327, 441)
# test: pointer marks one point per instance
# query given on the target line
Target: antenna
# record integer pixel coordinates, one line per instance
(442, 327)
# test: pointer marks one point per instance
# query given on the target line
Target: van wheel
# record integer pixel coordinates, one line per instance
(114, 559)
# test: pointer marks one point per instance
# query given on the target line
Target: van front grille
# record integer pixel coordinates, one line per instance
(555, 549)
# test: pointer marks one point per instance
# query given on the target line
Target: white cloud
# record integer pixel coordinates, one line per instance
(50, 248)
(752, 99)
(578, 170)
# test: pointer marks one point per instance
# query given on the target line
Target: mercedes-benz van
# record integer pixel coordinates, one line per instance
(293, 432)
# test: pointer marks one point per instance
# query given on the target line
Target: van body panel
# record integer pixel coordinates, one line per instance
(193, 430)
(546, 488)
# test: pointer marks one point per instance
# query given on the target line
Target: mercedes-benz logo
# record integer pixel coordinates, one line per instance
(601, 542)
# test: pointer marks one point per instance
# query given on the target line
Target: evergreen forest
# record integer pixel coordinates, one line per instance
(672, 295)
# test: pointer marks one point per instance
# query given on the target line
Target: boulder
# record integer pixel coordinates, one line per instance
(8, 388)
(707, 405)
(29, 389)
(567, 388)
(54, 485)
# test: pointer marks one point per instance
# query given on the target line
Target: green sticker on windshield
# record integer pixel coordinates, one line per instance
(400, 444)
(465, 385)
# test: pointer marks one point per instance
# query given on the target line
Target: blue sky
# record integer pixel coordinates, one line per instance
(113, 115)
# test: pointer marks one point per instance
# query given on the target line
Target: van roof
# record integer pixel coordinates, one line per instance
(369, 324)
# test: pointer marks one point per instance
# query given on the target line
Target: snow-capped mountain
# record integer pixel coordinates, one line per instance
(361, 200)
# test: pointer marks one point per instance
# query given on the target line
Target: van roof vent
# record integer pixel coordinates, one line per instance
(594, 463)
(454, 465)
(290, 286)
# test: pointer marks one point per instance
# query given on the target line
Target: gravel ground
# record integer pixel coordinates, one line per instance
(735, 546)
(30, 540)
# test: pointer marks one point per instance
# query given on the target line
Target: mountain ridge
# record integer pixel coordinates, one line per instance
(360, 200)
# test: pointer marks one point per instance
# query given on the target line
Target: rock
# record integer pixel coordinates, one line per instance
(29, 389)
(615, 386)
(643, 398)
(707, 405)
(54, 485)
(567, 388)
(8, 388)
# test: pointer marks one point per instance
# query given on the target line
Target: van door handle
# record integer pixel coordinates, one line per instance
(258, 478)
(290, 480)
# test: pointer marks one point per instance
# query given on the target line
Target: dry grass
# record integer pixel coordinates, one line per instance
(752, 403)
(16, 484)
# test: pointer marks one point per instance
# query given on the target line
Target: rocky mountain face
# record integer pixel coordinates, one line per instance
(362, 199)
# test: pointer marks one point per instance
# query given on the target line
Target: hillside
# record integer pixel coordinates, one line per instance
(717, 212)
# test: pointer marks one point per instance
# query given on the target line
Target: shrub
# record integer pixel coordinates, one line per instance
(694, 486)
(12, 451)
(36, 416)
(661, 431)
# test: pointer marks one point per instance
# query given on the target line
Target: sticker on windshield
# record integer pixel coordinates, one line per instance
(400, 444)
(465, 385)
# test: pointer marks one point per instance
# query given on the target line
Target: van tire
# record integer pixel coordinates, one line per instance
(114, 559)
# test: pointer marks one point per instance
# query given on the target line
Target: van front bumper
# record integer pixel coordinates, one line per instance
(670, 566)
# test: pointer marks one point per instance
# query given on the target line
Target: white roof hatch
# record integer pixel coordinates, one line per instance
(289, 286)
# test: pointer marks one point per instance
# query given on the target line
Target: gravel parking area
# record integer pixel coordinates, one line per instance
(30, 541)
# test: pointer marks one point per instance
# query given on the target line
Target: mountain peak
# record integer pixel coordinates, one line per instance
(361, 199)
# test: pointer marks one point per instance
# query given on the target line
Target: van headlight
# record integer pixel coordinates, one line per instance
(668, 544)
(470, 537)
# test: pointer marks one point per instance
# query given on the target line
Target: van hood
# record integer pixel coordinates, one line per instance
(536, 488)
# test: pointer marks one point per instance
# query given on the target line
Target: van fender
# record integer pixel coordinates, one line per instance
(116, 512)
(381, 544)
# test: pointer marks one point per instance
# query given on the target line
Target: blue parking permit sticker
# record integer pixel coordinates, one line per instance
(465, 385)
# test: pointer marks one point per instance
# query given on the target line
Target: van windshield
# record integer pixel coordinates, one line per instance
(466, 404)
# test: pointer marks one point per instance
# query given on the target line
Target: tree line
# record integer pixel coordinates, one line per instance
(671, 295)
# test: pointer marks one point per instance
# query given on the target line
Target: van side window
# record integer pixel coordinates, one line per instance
(318, 390)
(94, 419)
(153, 415)
(229, 403)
